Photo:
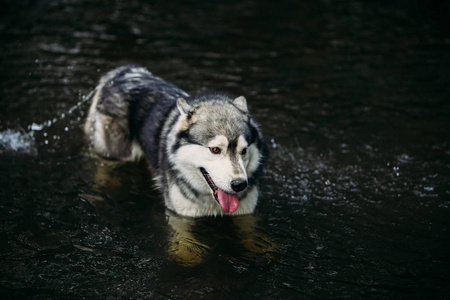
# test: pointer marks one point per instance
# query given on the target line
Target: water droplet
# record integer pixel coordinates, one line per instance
(35, 126)
(66, 129)
(274, 145)
(327, 182)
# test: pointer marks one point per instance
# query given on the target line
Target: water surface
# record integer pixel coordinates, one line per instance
(351, 95)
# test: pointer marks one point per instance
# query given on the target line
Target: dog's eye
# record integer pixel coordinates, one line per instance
(244, 151)
(215, 150)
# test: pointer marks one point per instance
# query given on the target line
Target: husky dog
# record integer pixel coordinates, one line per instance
(207, 151)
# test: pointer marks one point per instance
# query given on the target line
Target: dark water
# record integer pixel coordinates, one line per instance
(353, 97)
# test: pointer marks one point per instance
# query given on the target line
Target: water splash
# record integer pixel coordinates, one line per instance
(21, 141)
(17, 141)
(49, 123)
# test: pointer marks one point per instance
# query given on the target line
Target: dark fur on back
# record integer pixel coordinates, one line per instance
(129, 100)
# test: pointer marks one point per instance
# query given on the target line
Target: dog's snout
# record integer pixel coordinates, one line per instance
(238, 185)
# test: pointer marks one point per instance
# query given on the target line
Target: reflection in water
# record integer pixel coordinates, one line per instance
(351, 95)
(189, 240)
(186, 249)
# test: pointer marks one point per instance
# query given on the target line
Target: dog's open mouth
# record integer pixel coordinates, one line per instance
(229, 202)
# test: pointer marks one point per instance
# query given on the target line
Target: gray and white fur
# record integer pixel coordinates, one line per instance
(207, 151)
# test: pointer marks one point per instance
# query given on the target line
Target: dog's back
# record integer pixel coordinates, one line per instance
(123, 99)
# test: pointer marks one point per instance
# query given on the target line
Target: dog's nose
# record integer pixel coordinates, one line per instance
(238, 185)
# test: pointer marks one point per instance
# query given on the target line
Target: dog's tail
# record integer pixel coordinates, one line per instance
(107, 126)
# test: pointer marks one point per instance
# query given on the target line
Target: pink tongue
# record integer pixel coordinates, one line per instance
(229, 202)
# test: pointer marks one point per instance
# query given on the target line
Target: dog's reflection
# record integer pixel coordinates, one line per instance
(190, 241)
(187, 246)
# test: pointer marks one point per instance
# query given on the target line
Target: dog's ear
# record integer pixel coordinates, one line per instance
(187, 114)
(241, 104)
(183, 106)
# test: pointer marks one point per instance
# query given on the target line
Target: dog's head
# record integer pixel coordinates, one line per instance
(218, 148)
